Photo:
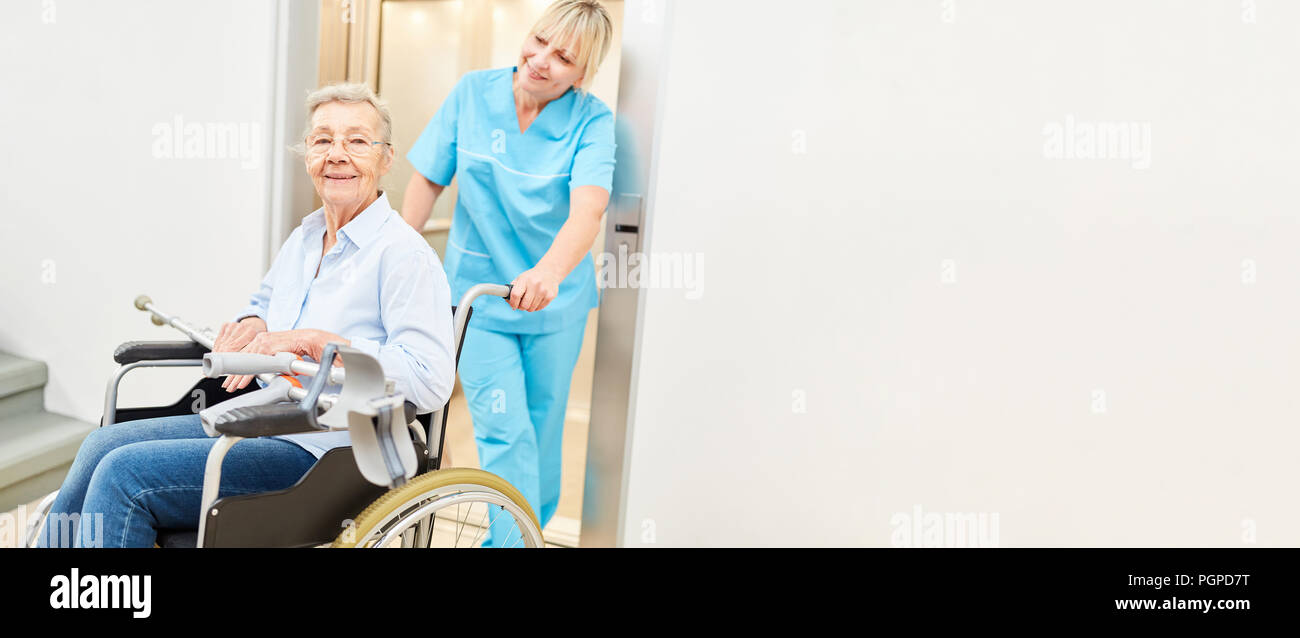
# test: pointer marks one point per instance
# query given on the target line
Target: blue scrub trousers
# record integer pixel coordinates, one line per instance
(130, 479)
(517, 386)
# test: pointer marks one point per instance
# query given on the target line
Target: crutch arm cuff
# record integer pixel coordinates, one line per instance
(266, 420)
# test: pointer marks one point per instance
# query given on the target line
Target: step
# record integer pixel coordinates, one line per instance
(25, 402)
(18, 374)
(30, 491)
(31, 445)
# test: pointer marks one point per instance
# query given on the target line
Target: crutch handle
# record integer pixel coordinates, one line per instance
(219, 364)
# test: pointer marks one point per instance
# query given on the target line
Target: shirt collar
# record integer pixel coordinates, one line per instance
(361, 229)
(365, 226)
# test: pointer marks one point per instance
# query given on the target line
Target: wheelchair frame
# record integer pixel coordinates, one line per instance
(309, 513)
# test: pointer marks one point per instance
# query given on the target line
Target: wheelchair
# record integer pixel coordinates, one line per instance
(388, 489)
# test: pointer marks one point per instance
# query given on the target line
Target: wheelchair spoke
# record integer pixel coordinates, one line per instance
(504, 541)
(460, 525)
(488, 526)
(415, 519)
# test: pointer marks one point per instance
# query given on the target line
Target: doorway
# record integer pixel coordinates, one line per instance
(412, 52)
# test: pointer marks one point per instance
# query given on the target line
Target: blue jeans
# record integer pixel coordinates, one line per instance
(131, 479)
(517, 387)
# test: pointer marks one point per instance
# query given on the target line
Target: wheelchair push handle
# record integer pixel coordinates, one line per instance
(461, 317)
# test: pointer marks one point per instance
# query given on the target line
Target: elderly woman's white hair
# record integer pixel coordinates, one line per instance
(351, 93)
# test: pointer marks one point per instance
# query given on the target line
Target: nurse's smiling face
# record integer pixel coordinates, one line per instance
(344, 162)
(547, 69)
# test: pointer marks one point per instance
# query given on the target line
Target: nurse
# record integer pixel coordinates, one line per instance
(533, 153)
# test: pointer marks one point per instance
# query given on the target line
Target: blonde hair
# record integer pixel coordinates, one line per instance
(585, 21)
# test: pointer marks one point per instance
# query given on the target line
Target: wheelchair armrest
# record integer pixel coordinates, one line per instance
(266, 420)
(134, 351)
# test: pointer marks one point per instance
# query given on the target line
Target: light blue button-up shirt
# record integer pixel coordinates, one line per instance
(381, 287)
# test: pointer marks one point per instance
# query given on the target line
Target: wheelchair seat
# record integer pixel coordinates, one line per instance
(311, 512)
(178, 538)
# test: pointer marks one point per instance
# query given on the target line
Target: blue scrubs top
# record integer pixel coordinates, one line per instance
(514, 190)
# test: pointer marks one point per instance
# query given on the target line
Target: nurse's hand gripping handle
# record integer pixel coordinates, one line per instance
(462, 309)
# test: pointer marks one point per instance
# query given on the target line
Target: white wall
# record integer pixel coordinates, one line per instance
(825, 276)
(91, 215)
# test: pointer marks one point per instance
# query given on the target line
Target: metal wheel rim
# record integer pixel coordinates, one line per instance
(402, 521)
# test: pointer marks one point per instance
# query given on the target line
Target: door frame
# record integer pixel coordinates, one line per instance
(642, 81)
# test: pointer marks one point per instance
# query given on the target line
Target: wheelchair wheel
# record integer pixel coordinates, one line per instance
(446, 508)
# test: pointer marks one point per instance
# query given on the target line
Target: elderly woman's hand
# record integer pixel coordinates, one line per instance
(234, 336)
(305, 342)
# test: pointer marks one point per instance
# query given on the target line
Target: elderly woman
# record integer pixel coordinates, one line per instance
(352, 273)
(533, 153)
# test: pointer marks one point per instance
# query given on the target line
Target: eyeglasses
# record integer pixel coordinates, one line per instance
(354, 145)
